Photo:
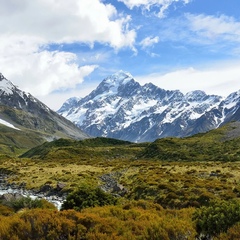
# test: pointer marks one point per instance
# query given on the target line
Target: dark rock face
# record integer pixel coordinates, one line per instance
(48, 190)
(45, 188)
(121, 108)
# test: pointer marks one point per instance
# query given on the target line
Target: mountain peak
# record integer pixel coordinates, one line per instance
(1, 77)
(118, 78)
(196, 95)
(69, 103)
(6, 86)
(233, 97)
(113, 83)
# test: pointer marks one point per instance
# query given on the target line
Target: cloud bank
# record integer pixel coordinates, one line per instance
(219, 80)
(29, 27)
(66, 21)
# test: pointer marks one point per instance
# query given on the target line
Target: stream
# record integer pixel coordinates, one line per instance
(56, 200)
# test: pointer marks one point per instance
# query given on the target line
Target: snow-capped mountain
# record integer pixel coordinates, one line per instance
(20, 110)
(121, 108)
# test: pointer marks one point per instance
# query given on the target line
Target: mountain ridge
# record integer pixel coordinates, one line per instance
(24, 112)
(121, 108)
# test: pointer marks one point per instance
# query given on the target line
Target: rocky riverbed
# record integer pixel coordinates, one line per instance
(54, 195)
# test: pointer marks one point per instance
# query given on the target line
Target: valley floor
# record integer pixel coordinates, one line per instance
(151, 191)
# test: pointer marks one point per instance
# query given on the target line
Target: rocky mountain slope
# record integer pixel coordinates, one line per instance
(121, 108)
(25, 117)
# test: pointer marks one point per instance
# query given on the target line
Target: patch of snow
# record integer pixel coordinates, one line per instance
(195, 115)
(8, 124)
(230, 105)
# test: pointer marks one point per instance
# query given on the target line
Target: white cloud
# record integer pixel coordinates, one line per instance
(41, 73)
(56, 99)
(212, 27)
(66, 21)
(221, 80)
(163, 5)
(52, 77)
(149, 41)
(218, 33)
(28, 27)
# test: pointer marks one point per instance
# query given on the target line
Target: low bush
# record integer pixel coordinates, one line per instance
(86, 197)
(217, 218)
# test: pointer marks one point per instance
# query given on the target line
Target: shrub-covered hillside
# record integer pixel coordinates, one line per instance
(217, 145)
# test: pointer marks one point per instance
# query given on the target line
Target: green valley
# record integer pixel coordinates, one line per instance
(170, 183)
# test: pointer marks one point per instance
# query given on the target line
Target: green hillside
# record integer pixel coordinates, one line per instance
(215, 145)
(14, 142)
(94, 148)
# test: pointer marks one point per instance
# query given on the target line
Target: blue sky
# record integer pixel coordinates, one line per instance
(60, 49)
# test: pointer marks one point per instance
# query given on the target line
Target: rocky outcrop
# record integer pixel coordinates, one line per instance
(49, 190)
(110, 184)
(9, 197)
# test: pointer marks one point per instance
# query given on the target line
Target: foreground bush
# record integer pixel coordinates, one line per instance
(37, 224)
(27, 202)
(217, 218)
(232, 233)
(24, 202)
(5, 210)
(137, 220)
(88, 197)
